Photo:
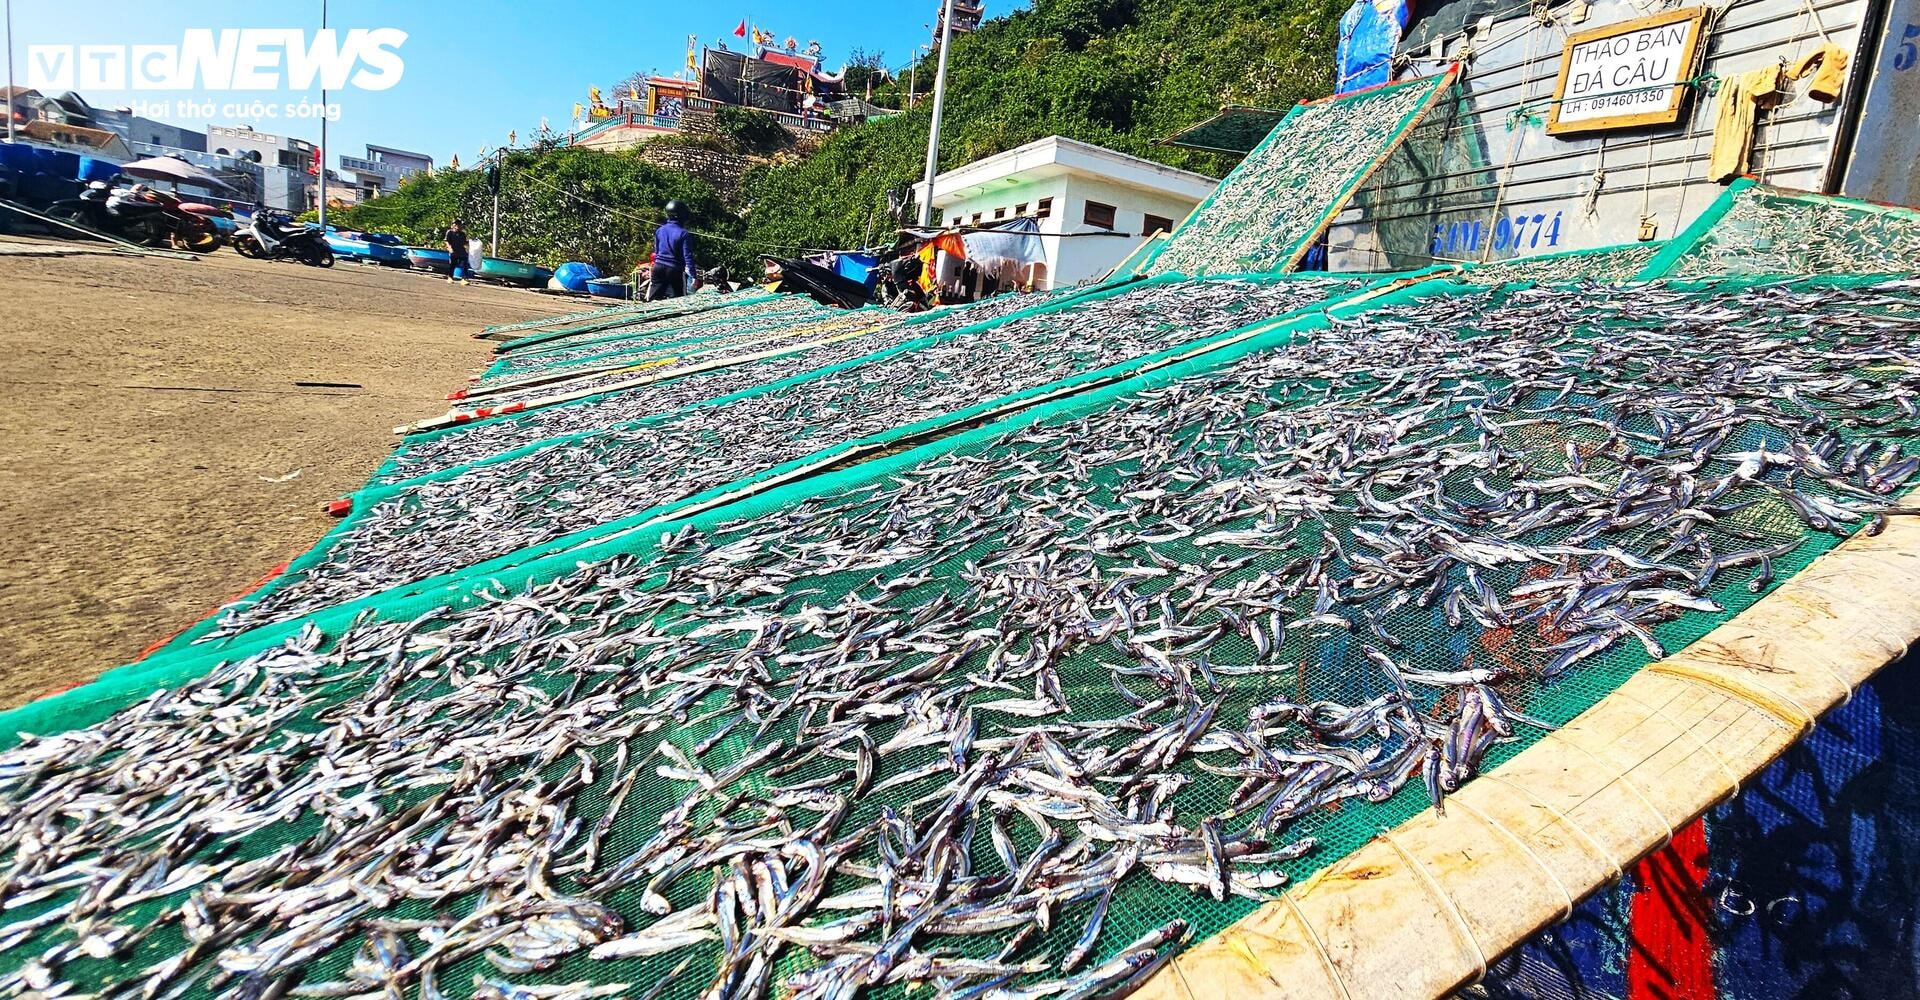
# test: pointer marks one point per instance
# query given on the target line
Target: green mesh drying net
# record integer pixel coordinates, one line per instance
(1275, 203)
(1030, 704)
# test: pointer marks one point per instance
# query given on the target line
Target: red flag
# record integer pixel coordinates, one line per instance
(314, 169)
(741, 31)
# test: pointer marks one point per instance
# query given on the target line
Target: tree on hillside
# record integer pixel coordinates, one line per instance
(1116, 73)
(624, 88)
(569, 203)
(864, 68)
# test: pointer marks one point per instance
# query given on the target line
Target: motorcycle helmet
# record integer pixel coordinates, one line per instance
(676, 211)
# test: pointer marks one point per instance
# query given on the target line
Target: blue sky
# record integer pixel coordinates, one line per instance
(473, 69)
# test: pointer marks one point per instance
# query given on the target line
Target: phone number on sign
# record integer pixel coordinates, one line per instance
(1509, 233)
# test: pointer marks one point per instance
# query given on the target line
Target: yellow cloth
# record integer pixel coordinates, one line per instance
(1829, 78)
(926, 268)
(1741, 96)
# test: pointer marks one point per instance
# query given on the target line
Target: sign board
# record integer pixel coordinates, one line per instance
(1626, 74)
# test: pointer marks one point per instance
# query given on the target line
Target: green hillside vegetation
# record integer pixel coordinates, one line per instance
(1117, 73)
(551, 208)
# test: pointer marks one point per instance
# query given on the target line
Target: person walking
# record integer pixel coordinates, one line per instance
(456, 240)
(674, 271)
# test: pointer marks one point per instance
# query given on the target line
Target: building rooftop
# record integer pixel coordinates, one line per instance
(396, 151)
(1056, 155)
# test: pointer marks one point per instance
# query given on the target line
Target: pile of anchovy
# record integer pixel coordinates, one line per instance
(1610, 264)
(576, 383)
(731, 327)
(437, 526)
(990, 724)
(484, 439)
(525, 376)
(625, 313)
(1280, 191)
(1768, 231)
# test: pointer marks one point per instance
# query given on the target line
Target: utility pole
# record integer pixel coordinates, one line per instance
(323, 132)
(939, 102)
(9, 70)
(499, 169)
(913, 71)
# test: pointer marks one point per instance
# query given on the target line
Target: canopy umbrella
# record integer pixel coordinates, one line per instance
(167, 168)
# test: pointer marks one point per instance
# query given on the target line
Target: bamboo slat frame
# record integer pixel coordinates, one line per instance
(1420, 910)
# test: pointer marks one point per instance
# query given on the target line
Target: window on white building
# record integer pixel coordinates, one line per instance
(1098, 215)
(1157, 224)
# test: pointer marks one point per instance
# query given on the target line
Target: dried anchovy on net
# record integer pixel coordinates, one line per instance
(1610, 264)
(1282, 190)
(683, 309)
(852, 325)
(496, 508)
(1009, 719)
(724, 328)
(1767, 232)
(485, 439)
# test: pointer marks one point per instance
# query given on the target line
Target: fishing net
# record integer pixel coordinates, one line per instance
(1604, 264)
(1030, 704)
(546, 330)
(447, 521)
(744, 340)
(465, 443)
(1276, 202)
(721, 328)
(1756, 229)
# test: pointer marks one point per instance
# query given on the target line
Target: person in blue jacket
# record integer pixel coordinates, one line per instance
(674, 271)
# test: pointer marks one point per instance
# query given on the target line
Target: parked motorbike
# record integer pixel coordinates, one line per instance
(275, 236)
(138, 214)
(221, 219)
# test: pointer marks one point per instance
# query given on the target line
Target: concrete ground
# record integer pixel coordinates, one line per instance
(169, 432)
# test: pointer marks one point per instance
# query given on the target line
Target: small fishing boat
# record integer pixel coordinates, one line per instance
(608, 288)
(361, 250)
(427, 259)
(514, 272)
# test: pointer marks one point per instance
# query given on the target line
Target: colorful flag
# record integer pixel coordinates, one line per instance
(693, 42)
(314, 168)
(741, 31)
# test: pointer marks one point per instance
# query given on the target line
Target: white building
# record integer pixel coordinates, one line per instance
(383, 168)
(1094, 205)
(287, 177)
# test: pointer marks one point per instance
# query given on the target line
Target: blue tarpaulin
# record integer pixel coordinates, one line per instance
(1369, 32)
(856, 267)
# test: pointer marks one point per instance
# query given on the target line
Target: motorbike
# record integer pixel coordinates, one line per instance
(138, 214)
(275, 236)
(221, 219)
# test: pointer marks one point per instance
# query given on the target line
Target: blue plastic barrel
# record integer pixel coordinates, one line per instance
(573, 276)
(92, 169)
(59, 163)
